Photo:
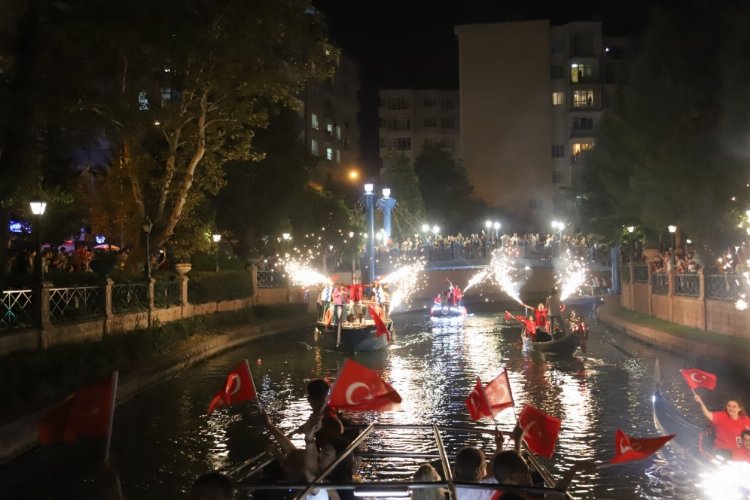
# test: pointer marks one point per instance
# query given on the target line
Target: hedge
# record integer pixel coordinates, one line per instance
(206, 286)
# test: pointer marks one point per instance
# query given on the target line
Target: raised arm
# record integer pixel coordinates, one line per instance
(705, 411)
(284, 442)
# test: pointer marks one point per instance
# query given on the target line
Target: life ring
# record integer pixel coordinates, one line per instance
(328, 316)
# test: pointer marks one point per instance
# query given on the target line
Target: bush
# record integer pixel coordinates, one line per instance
(225, 285)
(207, 262)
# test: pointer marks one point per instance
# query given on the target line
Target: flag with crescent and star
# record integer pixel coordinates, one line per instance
(358, 388)
(86, 412)
(477, 402)
(629, 449)
(491, 399)
(238, 388)
(380, 328)
(698, 378)
(539, 430)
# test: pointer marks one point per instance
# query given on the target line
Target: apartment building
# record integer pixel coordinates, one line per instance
(411, 119)
(331, 131)
(531, 96)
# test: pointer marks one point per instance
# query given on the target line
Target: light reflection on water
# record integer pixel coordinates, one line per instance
(163, 438)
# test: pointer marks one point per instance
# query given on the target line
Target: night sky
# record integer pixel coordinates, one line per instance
(411, 43)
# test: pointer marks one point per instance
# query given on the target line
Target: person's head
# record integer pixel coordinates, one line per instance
(317, 391)
(426, 474)
(734, 408)
(540, 307)
(745, 436)
(470, 464)
(212, 486)
(508, 467)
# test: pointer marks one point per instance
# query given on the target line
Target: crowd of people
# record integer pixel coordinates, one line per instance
(346, 303)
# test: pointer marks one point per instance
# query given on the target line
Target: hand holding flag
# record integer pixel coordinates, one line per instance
(380, 328)
(698, 378)
(628, 449)
(238, 388)
(539, 430)
(358, 388)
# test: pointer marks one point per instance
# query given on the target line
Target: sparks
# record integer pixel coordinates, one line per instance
(571, 274)
(302, 275)
(728, 480)
(477, 278)
(405, 280)
(505, 274)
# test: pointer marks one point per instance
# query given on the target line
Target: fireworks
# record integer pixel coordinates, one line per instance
(571, 274)
(405, 281)
(302, 275)
(727, 480)
(504, 272)
(477, 278)
(741, 303)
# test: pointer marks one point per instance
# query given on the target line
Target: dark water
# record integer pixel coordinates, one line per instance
(163, 438)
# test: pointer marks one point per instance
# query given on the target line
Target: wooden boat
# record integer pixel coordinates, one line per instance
(565, 345)
(447, 312)
(246, 476)
(352, 336)
(691, 437)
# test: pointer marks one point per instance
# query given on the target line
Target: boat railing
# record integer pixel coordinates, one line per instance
(391, 488)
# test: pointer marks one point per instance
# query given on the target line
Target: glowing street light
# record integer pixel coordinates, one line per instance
(672, 230)
(425, 228)
(38, 208)
(436, 229)
(147, 226)
(217, 238)
(631, 229)
(284, 236)
(353, 175)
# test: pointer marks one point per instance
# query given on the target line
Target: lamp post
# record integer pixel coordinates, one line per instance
(672, 230)
(496, 225)
(217, 238)
(147, 227)
(631, 243)
(369, 202)
(386, 204)
(37, 208)
(488, 226)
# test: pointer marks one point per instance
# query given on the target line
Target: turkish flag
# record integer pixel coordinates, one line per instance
(380, 328)
(498, 394)
(540, 430)
(628, 449)
(698, 378)
(358, 388)
(477, 402)
(86, 412)
(238, 388)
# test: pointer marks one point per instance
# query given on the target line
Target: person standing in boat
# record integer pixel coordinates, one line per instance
(555, 311)
(355, 295)
(339, 296)
(324, 299)
(728, 425)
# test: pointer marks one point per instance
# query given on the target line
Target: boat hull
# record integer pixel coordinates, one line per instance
(356, 338)
(448, 312)
(669, 420)
(564, 346)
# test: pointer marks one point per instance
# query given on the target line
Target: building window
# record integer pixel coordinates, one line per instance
(329, 127)
(429, 102)
(582, 44)
(398, 103)
(314, 121)
(430, 122)
(400, 144)
(581, 123)
(314, 147)
(583, 98)
(558, 150)
(142, 101)
(581, 72)
(338, 156)
(557, 71)
(329, 153)
(338, 132)
(557, 177)
(578, 148)
(447, 103)
(558, 98)
(448, 123)
(398, 124)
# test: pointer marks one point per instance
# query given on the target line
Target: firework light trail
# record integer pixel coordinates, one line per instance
(301, 274)
(477, 278)
(728, 480)
(571, 274)
(405, 280)
(741, 303)
(504, 272)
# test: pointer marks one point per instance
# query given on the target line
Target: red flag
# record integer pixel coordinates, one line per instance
(358, 388)
(380, 328)
(498, 394)
(239, 387)
(540, 430)
(477, 402)
(698, 378)
(507, 316)
(86, 412)
(628, 449)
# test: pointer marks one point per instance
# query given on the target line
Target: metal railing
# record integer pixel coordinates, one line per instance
(17, 309)
(128, 297)
(271, 279)
(724, 286)
(640, 273)
(687, 285)
(660, 283)
(69, 304)
(167, 293)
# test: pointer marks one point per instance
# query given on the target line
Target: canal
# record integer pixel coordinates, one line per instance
(163, 439)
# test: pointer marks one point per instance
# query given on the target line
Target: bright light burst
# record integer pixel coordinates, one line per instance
(505, 273)
(741, 303)
(405, 280)
(477, 278)
(301, 274)
(571, 274)
(727, 481)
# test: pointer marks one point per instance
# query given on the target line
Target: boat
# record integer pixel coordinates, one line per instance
(669, 420)
(368, 460)
(564, 345)
(355, 335)
(456, 311)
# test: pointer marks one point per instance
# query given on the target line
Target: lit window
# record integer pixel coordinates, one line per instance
(580, 72)
(557, 98)
(577, 148)
(314, 121)
(329, 153)
(142, 101)
(329, 127)
(314, 147)
(166, 96)
(583, 98)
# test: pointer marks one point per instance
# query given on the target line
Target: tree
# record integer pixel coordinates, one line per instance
(665, 154)
(399, 175)
(445, 188)
(180, 88)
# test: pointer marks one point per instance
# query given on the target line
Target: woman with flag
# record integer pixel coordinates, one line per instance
(728, 424)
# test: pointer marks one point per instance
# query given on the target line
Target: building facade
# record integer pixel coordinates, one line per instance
(331, 131)
(531, 97)
(411, 119)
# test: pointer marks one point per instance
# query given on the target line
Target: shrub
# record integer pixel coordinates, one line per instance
(225, 285)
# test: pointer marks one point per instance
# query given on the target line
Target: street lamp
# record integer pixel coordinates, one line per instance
(436, 229)
(147, 227)
(631, 243)
(217, 239)
(672, 230)
(425, 228)
(496, 225)
(37, 208)
(488, 226)
(369, 202)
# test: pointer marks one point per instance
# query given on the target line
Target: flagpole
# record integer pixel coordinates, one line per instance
(252, 381)
(111, 415)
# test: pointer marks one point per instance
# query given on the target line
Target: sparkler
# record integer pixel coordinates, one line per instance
(302, 275)
(741, 303)
(405, 280)
(477, 278)
(503, 271)
(727, 481)
(571, 275)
